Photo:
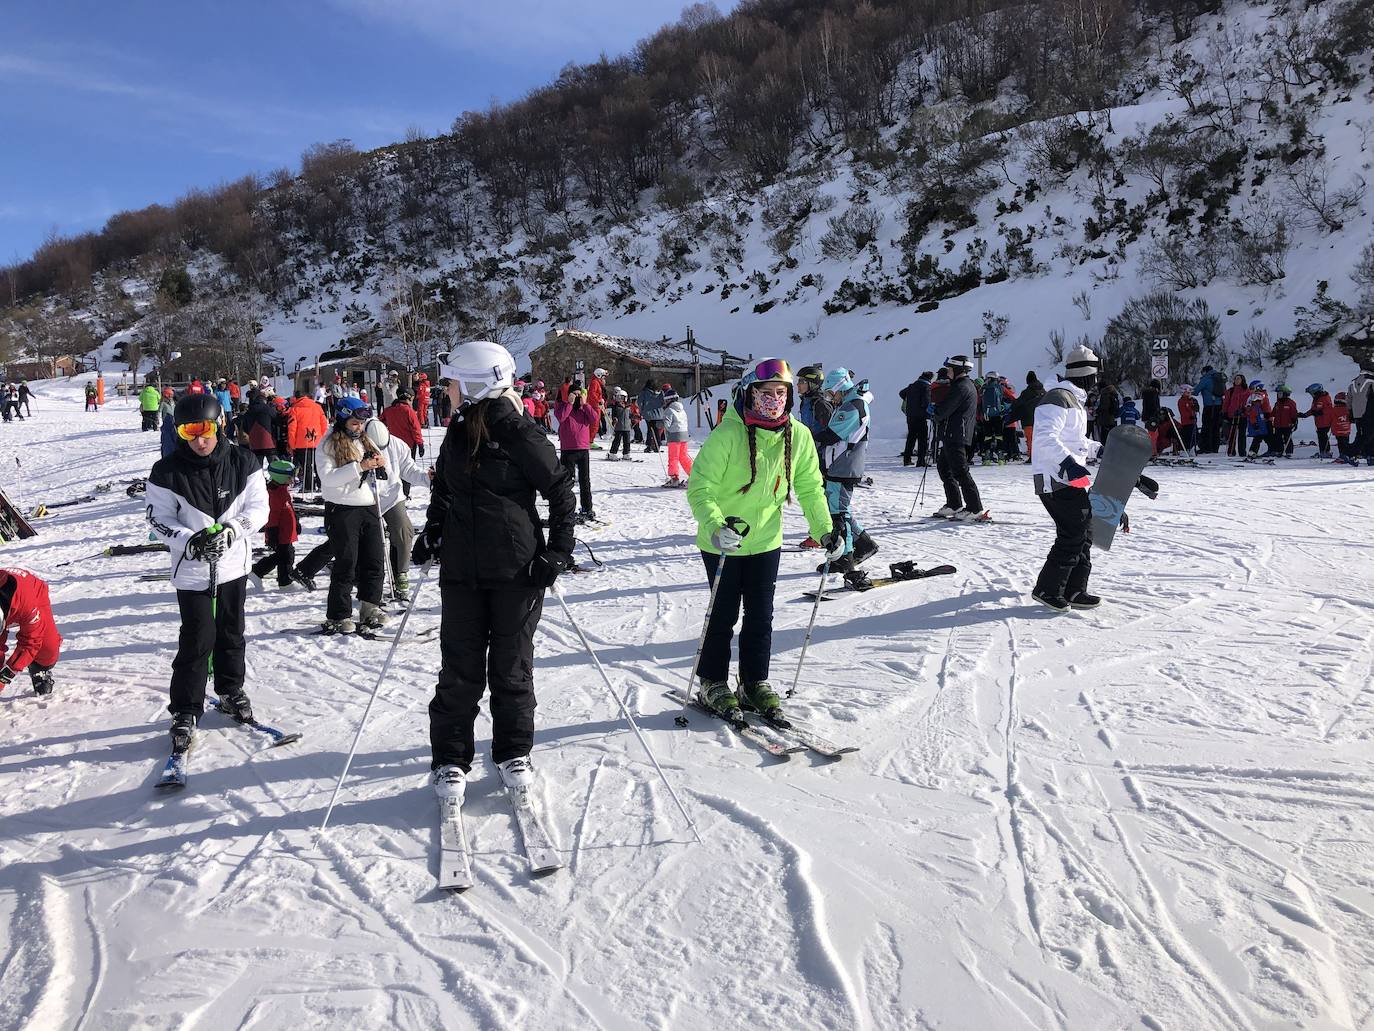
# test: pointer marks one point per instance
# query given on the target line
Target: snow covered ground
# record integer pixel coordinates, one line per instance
(1155, 815)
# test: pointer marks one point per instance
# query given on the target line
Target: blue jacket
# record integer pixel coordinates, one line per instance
(1211, 389)
(225, 402)
(844, 441)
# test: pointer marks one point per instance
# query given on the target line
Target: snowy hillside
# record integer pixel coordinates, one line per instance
(1154, 815)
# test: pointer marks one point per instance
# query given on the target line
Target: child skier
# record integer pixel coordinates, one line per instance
(751, 464)
(1340, 429)
(844, 445)
(1285, 421)
(1259, 420)
(1320, 412)
(620, 424)
(24, 606)
(675, 425)
(577, 423)
(205, 502)
(1187, 418)
(282, 526)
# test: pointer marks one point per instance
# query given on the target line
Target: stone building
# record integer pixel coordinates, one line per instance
(628, 362)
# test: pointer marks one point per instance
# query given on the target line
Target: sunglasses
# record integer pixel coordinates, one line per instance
(189, 431)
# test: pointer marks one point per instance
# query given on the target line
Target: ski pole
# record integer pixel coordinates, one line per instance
(414, 594)
(742, 528)
(388, 584)
(213, 560)
(624, 711)
(806, 641)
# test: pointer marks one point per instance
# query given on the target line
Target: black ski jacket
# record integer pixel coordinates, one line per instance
(483, 510)
(1149, 407)
(1023, 408)
(1108, 406)
(957, 414)
(917, 398)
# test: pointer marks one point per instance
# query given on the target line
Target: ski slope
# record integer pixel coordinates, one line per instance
(1154, 815)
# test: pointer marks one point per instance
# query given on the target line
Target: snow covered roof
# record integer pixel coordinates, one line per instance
(647, 352)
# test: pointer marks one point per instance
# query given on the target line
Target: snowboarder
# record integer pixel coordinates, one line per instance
(753, 462)
(1320, 412)
(282, 527)
(675, 425)
(843, 446)
(956, 417)
(205, 502)
(494, 566)
(916, 406)
(24, 606)
(576, 423)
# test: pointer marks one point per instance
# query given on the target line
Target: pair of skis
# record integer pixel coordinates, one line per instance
(781, 742)
(174, 771)
(900, 575)
(455, 855)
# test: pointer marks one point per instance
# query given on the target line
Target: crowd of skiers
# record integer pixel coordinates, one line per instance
(13, 398)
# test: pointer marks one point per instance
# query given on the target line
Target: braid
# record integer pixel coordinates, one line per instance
(753, 460)
(787, 458)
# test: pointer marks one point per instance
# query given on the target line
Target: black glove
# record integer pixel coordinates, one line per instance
(545, 567)
(6, 675)
(1074, 474)
(205, 545)
(426, 547)
(1148, 487)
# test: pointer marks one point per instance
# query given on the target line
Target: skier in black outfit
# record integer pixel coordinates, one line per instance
(957, 417)
(916, 401)
(204, 484)
(1108, 410)
(1023, 409)
(494, 566)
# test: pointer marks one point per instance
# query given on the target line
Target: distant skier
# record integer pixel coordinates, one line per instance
(1108, 410)
(749, 466)
(1360, 397)
(1187, 419)
(1023, 409)
(957, 416)
(1233, 411)
(577, 422)
(1320, 412)
(205, 502)
(24, 395)
(843, 445)
(675, 427)
(620, 417)
(25, 608)
(484, 528)
(92, 398)
(1340, 429)
(1259, 423)
(1285, 420)
(651, 406)
(1211, 391)
(167, 414)
(916, 406)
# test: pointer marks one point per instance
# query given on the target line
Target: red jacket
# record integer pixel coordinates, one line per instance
(1233, 404)
(1320, 411)
(1258, 403)
(29, 611)
(1285, 413)
(281, 516)
(1187, 410)
(403, 423)
(422, 396)
(1340, 420)
(234, 393)
(596, 393)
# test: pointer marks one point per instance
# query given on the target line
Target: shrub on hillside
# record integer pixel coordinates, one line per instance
(1183, 263)
(850, 232)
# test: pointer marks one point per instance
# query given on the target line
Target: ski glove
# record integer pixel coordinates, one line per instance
(1148, 487)
(1074, 474)
(426, 547)
(833, 543)
(6, 675)
(730, 537)
(204, 545)
(547, 565)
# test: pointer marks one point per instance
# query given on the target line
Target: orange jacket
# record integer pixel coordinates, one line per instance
(306, 424)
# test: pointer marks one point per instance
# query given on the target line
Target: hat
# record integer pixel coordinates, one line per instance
(669, 394)
(598, 372)
(279, 470)
(1257, 384)
(1080, 362)
(959, 361)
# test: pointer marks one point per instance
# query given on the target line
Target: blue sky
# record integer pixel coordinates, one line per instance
(110, 106)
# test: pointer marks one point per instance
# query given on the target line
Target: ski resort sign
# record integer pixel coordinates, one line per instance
(1159, 359)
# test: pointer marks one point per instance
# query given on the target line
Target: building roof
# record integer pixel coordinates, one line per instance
(659, 353)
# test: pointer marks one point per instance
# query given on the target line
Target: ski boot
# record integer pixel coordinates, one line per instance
(611, 456)
(1054, 601)
(843, 564)
(236, 706)
(1083, 600)
(517, 773)
(183, 731)
(370, 616)
(42, 681)
(338, 626)
(857, 580)
(945, 512)
(717, 696)
(760, 697)
(671, 481)
(972, 515)
(450, 783)
(302, 579)
(400, 590)
(864, 548)
(810, 542)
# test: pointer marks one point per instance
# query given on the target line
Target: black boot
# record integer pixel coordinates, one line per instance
(1083, 600)
(864, 548)
(183, 731)
(236, 706)
(843, 564)
(42, 681)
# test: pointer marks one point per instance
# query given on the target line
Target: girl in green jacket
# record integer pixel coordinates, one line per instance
(757, 458)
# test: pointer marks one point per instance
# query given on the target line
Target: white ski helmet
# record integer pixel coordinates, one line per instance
(1081, 362)
(378, 432)
(959, 362)
(480, 368)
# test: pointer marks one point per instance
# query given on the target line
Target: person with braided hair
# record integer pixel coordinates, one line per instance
(756, 459)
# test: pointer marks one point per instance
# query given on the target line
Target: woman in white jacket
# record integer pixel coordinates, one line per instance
(347, 463)
(675, 418)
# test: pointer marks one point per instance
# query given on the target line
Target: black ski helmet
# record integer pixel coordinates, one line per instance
(197, 408)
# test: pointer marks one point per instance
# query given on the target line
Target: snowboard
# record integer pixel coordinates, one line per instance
(1122, 461)
(13, 525)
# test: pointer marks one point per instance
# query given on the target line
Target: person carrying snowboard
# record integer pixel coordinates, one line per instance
(25, 608)
(484, 528)
(956, 415)
(844, 446)
(205, 502)
(755, 460)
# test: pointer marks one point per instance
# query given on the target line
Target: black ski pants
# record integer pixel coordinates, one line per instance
(486, 638)
(747, 580)
(917, 436)
(960, 490)
(149, 419)
(1365, 436)
(621, 440)
(281, 558)
(1323, 440)
(203, 635)
(356, 537)
(579, 466)
(1211, 429)
(1069, 563)
(304, 459)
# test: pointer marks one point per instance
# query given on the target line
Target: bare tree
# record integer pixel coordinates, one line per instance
(1309, 188)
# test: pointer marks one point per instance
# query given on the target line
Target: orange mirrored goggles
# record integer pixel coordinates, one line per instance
(191, 430)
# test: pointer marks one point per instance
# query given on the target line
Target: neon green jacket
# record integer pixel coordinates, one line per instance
(721, 468)
(149, 398)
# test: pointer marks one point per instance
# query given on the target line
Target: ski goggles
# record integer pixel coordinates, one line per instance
(364, 413)
(772, 370)
(189, 431)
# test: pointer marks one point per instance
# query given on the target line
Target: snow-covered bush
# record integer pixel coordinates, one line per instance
(850, 232)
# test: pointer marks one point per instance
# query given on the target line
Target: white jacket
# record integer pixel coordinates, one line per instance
(1061, 432)
(399, 466)
(675, 416)
(342, 484)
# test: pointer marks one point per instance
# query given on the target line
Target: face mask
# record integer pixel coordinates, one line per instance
(769, 406)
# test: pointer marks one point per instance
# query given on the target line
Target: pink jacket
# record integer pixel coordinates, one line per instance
(575, 425)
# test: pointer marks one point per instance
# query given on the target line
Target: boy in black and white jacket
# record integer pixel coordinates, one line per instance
(206, 500)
